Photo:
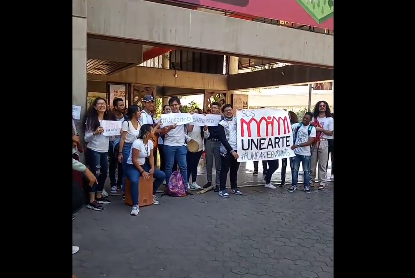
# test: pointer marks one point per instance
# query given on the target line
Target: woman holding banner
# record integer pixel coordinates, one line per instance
(97, 150)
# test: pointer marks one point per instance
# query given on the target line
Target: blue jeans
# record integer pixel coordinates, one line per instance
(134, 176)
(178, 154)
(305, 161)
(98, 164)
(126, 149)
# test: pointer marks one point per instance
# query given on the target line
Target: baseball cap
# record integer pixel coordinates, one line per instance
(148, 98)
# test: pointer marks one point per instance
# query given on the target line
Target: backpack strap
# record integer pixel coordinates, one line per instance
(296, 131)
(310, 127)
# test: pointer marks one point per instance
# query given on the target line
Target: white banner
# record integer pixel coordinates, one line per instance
(176, 118)
(263, 134)
(76, 112)
(208, 120)
(111, 128)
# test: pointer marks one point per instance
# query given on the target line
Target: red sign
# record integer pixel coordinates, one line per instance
(270, 126)
(318, 13)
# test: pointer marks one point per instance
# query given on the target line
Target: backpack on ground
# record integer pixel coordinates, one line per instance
(176, 186)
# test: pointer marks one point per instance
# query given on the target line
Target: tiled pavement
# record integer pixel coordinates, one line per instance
(265, 233)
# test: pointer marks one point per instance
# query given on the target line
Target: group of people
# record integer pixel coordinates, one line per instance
(313, 144)
(134, 151)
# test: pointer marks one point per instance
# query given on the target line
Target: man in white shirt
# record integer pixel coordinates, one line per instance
(304, 135)
(324, 124)
(147, 117)
(175, 144)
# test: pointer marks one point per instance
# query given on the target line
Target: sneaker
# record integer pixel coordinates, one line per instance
(322, 186)
(104, 193)
(135, 210)
(270, 185)
(103, 200)
(119, 187)
(75, 249)
(207, 184)
(114, 189)
(282, 184)
(195, 186)
(292, 188)
(255, 173)
(155, 200)
(216, 189)
(123, 197)
(95, 206)
(307, 189)
(236, 191)
(224, 194)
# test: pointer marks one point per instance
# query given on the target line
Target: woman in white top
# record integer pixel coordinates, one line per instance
(192, 159)
(141, 163)
(97, 150)
(129, 133)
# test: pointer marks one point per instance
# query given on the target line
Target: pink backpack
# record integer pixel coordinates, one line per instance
(176, 186)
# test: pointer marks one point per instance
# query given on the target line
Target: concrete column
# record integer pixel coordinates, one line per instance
(165, 100)
(166, 60)
(79, 56)
(233, 65)
(233, 69)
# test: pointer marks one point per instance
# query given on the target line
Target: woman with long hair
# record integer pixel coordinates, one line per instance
(140, 163)
(97, 150)
(192, 159)
(130, 130)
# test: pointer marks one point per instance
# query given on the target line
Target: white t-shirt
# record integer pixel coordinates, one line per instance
(327, 124)
(98, 143)
(196, 134)
(175, 137)
(132, 133)
(146, 118)
(302, 137)
(145, 151)
(113, 138)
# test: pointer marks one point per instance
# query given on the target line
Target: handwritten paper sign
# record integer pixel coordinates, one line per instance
(208, 120)
(76, 112)
(176, 118)
(263, 134)
(111, 128)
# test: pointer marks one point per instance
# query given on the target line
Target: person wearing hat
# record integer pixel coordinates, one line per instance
(147, 117)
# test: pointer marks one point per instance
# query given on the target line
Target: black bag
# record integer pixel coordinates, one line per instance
(77, 197)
